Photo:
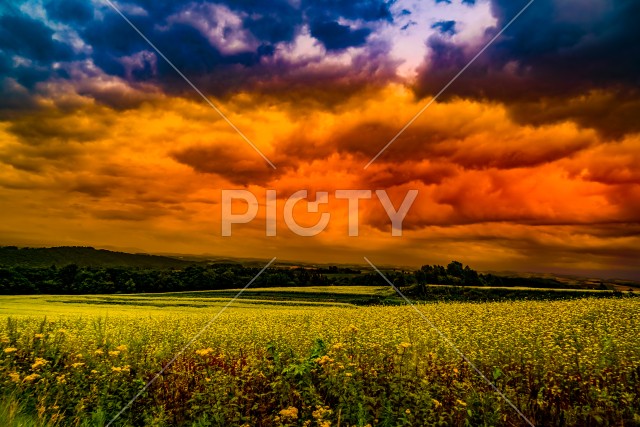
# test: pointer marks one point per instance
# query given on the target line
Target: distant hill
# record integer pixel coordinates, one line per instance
(84, 257)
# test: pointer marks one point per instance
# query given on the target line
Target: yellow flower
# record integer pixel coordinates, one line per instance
(460, 402)
(338, 346)
(348, 374)
(324, 359)
(98, 352)
(321, 412)
(290, 413)
(404, 345)
(93, 371)
(121, 347)
(114, 353)
(77, 364)
(408, 411)
(38, 336)
(31, 377)
(9, 350)
(61, 379)
(436, 403)
(39, 362)
(204, 351)
(15, 377)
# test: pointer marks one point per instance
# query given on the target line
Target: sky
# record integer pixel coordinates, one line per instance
(528, 161)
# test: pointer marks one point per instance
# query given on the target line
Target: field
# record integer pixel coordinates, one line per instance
(314, 357)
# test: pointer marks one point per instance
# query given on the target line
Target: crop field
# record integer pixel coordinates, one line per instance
(79, 360)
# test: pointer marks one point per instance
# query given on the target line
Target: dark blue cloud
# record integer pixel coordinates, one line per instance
(70, 11)
(27, 51)
(117, 50)
(366, 10)
(539, 58)
(272, 21)
(335, 36)
(445, 27)
(26, 37)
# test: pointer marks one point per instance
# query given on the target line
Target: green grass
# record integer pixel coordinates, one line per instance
(278, 297)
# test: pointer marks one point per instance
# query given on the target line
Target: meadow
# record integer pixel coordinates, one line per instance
(301, 360)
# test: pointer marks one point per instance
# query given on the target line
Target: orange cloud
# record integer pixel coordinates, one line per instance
(492, 192)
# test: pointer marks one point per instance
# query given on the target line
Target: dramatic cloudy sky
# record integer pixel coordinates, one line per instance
(529, 161)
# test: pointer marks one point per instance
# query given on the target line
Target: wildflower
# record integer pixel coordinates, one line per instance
(114, 353)
(408, 411)
(79, 356)
(121, 347)
(460, 402)
(61, 379)
(39, 336)
(39, 362)
(98, 352)
(321, 412)
(204, 351)
(322, 360)
(10, 350)
(15, 377)
(436, 403)
(290, 413)
(348, 374)
(30, 378)
(77, 364)
(352, 328)
(93, 371)
(404, 345)
(338, 346)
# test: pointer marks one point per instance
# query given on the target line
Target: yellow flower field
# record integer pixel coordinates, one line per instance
(561, 363)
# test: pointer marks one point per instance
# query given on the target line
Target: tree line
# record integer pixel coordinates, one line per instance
(73, 279)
